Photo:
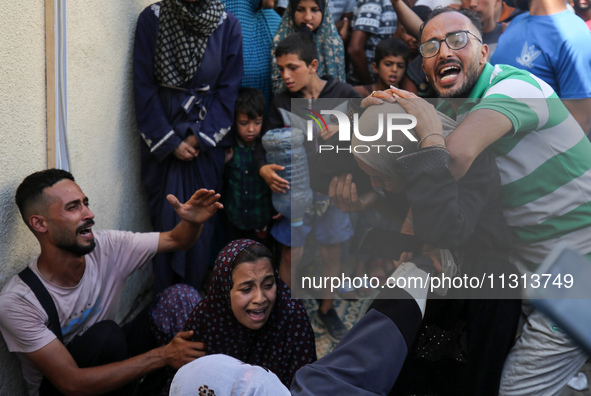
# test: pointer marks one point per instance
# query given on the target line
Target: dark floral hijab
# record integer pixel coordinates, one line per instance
(183, 31)
(283, 345)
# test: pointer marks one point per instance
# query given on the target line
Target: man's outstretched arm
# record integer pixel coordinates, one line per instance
(476, 132)
(56, 363)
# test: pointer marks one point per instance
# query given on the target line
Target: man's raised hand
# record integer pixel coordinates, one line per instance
(199, 208)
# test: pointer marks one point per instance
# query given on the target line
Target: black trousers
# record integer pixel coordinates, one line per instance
(106, 342)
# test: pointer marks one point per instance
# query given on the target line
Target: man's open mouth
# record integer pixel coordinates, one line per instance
(449, 72)
(86, 229)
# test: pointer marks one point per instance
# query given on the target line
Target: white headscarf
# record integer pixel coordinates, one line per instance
(223, 375)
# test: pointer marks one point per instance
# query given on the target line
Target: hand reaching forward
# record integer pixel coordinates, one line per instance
(377, 98)
(199, 208)
(343, 193)
(276, 183)
(181, 350)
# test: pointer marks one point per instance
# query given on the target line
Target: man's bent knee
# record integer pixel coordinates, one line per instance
(103, 343)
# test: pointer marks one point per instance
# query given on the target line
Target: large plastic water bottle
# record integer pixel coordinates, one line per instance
(285, 147)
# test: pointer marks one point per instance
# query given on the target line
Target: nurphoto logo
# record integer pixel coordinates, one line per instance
(387, 123)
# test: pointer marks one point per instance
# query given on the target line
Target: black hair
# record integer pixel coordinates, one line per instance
(471, 15)
(31, 188)
(295, 3)
(390, 47)
(252, 253)
(422, 11)
(251, 102)
(300, 44)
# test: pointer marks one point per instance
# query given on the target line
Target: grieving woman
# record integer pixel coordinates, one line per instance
(248, 313)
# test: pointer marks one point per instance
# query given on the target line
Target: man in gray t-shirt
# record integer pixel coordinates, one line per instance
(84, 271)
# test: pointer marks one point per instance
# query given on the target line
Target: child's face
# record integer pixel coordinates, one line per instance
(409, 39)
(309, 13)
(484, 8)
(390, 70)
(294, 71)
(248, 128)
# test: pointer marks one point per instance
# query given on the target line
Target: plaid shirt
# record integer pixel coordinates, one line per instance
(247, 196)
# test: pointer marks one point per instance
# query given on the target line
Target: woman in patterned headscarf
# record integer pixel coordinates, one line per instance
(187, 71)
(255, 321)
(331, 52)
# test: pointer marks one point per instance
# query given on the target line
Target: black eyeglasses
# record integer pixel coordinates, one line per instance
(454, 40)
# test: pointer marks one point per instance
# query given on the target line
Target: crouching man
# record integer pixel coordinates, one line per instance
(84, 271)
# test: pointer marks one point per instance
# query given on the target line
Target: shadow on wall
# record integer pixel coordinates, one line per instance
(17, 244)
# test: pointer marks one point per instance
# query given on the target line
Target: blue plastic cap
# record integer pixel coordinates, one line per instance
(297, 222)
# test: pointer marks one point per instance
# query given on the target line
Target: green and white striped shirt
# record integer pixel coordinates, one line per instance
(544, 163)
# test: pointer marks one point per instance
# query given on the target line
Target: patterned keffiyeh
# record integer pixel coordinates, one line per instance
(183, 30)
(284, 344)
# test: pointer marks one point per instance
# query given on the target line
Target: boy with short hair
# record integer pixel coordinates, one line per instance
(389, 66)
(373, 21)
(297, 59)
(247, 198)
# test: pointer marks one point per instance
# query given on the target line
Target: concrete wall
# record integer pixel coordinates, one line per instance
(103, 142)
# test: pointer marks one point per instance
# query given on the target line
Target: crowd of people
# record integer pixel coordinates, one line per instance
(488, 185)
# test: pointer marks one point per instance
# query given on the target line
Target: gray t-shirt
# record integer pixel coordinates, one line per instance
(23, 321)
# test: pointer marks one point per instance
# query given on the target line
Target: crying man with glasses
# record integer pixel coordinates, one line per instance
(453, 54)
(544, 162)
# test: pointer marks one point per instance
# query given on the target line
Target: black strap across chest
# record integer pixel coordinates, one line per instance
(33, 281)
